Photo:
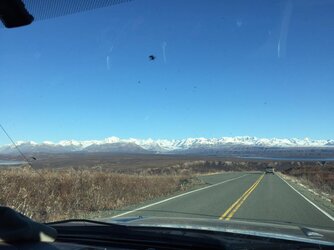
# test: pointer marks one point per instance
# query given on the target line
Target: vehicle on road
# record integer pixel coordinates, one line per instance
(270, 170)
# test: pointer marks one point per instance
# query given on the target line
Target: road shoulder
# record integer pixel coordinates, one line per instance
(320, 201)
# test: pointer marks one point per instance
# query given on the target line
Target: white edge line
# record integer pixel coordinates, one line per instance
(177, 196)
(312, 203)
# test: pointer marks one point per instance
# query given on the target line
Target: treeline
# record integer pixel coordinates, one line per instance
(211, 166)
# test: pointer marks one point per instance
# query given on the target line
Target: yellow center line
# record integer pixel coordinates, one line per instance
(236, 205)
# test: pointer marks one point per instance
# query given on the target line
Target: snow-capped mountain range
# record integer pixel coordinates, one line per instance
(131, 145)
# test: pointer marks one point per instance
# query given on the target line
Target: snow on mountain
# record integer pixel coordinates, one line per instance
(110, 144)
(117, 147)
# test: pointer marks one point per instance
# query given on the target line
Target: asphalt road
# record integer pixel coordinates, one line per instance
(249, 196)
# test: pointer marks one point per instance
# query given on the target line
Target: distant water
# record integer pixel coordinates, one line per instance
(11, 163)
(285, 158)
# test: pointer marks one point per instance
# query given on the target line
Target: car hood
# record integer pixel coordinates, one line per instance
(300, 233)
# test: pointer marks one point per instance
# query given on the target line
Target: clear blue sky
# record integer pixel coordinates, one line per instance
(222, 68)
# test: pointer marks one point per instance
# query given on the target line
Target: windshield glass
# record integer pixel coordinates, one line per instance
(219, 110)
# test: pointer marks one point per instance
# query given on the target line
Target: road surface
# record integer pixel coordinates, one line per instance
(250, 196)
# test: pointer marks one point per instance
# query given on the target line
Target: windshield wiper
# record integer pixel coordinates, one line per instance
(96, 232)
(79, 227)
(83, 221)
(90, 231)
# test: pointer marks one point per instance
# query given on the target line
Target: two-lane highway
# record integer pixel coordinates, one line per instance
(249, 196)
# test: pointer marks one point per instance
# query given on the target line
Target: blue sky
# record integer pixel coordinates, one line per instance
(222, 68)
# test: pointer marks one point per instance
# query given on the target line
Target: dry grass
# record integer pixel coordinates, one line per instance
(320, 178)
(49, 195)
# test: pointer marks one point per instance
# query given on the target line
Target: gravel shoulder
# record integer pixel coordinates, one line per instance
(321, 199)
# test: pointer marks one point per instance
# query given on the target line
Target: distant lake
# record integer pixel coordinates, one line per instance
(11, 163)
(285, 158)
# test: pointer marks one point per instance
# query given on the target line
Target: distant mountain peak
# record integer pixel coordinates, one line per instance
(133, 145)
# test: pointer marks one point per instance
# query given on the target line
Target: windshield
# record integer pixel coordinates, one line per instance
(217, 110)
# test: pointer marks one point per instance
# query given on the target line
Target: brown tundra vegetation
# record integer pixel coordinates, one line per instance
(49, 195)
(317, 177)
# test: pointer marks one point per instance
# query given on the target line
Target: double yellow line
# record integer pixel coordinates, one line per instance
(235, 206)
